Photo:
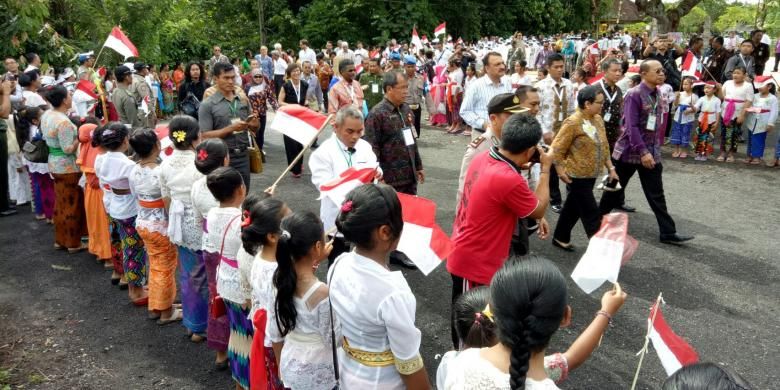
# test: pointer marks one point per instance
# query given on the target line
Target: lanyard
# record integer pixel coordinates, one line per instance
(297, 92)
(606, 92)
(347, 155)
(743, 61)
(559, 93)
(233, 108)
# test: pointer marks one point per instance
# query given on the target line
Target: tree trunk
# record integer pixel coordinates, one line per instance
(595, 5)
(668, 19)
(261, 20)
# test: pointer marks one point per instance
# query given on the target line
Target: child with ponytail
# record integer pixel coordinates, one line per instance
(260, 235)
(27, 121)
(475, 326)
(524, 321)
(224, 234)
(302, 311)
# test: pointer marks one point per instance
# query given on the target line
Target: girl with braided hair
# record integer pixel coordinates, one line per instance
(523, 320)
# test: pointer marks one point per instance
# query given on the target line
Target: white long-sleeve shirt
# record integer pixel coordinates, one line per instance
(763, 113)
(548, 96)
(477, 96)
(329, 161)
(114, 170)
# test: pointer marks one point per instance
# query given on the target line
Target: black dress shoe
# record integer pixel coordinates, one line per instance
(400, 258)
(675, 238)
(626, 208)
(8, 212)
(556, 208)
(567, 248)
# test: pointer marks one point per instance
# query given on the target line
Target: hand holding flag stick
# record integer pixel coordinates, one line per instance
(298, 157)
(643, 351)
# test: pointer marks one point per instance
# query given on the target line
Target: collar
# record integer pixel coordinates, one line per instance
(645, 88)
(496, 155)
(220, 96)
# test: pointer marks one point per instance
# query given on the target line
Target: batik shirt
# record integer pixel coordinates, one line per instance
(59, 133)
(384, 132)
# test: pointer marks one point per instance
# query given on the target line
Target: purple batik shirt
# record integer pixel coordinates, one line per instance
(639, 104)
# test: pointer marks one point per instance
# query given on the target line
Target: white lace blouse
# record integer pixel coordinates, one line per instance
(113, 169)
(469, 371)
(306, 362)
(202, 202)
(261, 279)
(376, 310)
(145, 185)
(177, 174)
(224, 224)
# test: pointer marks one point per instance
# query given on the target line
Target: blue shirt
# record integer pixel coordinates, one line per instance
(266, 65)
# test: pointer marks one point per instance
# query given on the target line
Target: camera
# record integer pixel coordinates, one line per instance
(9, 77)
(536, 158)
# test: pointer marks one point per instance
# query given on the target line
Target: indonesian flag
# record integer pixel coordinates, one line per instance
(119, 42)
(298, 122)
(762, 81)
(460, 40)
(672, 349)
(87, 87)
(338, 188)
(145, 104)
(633, 69)
(440, 29)
(166, 143)
(416, 42)
(595, 79)
(691, 66)
(358, 67)
(449, 38)
(607, 250)
(422, 240)
(425, 39)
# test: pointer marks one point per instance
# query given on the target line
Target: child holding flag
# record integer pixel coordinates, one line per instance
(684, 117)
(761, 119)
(708, 107)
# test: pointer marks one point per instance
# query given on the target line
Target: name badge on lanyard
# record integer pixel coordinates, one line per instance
(408, 136)
(611, 99)
(561, 108)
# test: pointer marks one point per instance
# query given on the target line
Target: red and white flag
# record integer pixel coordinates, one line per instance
(338, 188)
(358, 67)
(425, 39)
(298, 122)
(88, 88)
(166, 143)
(440, 29)
(422, 240)
(460, 40)
(672, 349)
(416, 42)
(691, 66)
(608, 250)
(595, 79)
(119, 42)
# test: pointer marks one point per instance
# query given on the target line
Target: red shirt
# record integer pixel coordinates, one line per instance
(495, 195)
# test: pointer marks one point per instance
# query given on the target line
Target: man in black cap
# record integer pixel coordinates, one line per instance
(124, 101)
(142, 92)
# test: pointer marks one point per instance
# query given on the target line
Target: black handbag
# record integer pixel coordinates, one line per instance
(190, 105)
(36, 150)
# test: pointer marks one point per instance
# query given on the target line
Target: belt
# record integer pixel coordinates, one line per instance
(230, 262)
(370, 359)
(57, 152)
(151, 204)
(121, 191)
(479, 130)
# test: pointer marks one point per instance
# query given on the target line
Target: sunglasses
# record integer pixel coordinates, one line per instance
(257, 76)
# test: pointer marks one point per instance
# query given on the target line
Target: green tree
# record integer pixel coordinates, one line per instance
(667, 16)
(694, 21)
(735, 16)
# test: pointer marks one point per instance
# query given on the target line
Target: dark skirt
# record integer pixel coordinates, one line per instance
(240, 344)
(218, 332)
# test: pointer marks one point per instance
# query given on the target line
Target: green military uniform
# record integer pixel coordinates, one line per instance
(372, 89)
(142, 92)
(126, 106)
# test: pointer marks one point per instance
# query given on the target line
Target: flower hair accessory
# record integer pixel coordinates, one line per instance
(179, 135)
(487, 313)
(346, 207)
(285, 234)
(246, 220)
(202, 155)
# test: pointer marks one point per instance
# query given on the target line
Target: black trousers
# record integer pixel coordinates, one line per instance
(519, 245)
(260, 134)
(459, 286)
(580, 205)
(4, 201)
(652, 186)
(291, 149)
(555, 191)
(777, 62)
(240, 161)
(278, 83)
(417, 115)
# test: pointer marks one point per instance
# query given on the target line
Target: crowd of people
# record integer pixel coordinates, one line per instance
(243, 263)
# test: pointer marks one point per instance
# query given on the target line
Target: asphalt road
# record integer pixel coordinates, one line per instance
(64, 326)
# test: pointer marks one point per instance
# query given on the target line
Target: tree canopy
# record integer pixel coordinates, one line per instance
(186, 29)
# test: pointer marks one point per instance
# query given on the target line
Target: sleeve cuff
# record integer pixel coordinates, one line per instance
(409, 366)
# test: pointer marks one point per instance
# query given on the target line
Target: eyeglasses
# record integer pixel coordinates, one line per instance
(257, 76)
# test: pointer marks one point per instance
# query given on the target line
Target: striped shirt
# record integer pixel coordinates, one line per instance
(477, 96)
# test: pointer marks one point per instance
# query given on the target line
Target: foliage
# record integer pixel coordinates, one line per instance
(183, 30)
(638, 27)
(736, 16)
(694, 21)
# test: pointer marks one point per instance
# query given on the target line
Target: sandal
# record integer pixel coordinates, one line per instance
(683, 155)
(78, 249)
(197, 338)
(721, 158)
(141, 301)
(756, 162)
(40, 217)
(675, 154)
(730, 159)
(176, 316)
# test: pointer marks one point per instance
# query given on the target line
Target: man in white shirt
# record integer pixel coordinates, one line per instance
(343, 150)
(360, 53)
(558, 102)
(33, 62)
(280, 68)
(345, 53)
(474, 108)
(306, 53)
